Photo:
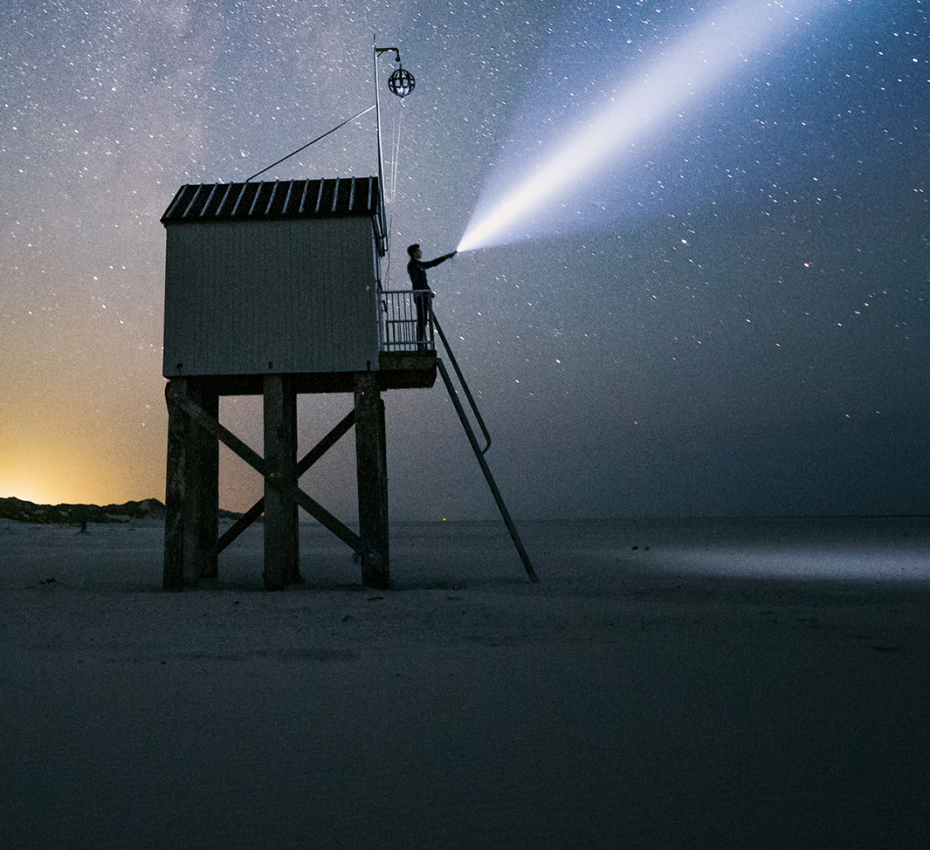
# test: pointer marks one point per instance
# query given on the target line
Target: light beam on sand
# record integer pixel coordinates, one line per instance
(635, 112)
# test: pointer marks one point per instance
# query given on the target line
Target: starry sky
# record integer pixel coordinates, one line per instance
(725, 314)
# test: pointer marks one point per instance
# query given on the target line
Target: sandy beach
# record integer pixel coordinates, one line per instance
(702, 684)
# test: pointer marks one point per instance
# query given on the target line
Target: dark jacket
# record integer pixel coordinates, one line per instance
(417, 270)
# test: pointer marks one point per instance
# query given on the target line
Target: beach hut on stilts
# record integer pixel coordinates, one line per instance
(274, 288)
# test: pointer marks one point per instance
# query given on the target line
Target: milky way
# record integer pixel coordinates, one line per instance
(731, 317)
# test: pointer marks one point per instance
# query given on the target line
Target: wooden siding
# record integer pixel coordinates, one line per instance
(258, 297)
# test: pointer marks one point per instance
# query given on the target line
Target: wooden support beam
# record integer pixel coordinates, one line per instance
(224, 435)
(191, 486)
(241, 524)
(328, 521)
(330, 440)
(303, 465)
(179, 426)
(371, 471)
(205, 478)
(255, 460)
(187, 415)
(281, 529)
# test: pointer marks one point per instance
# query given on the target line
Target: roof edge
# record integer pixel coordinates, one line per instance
(274, 200)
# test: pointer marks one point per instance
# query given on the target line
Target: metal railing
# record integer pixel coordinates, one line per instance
(407, 324)
(479, 452)
(407, 320)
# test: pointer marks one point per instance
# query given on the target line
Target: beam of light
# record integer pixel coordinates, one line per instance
(717, 47)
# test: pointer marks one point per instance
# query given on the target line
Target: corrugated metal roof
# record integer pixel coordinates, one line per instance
(278, 199)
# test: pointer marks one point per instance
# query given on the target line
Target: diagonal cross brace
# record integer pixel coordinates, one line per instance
(304, 464)
(199, 416)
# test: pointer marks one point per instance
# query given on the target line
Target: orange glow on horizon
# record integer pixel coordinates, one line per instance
(34, 489)
(25, 492)
(49, 475)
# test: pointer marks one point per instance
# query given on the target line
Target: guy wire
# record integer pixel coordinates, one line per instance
(395, 154)
(304, 147)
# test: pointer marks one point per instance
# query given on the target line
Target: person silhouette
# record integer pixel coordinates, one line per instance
(416, 268)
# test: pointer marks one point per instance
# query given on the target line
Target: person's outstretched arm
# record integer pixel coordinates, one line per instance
(430, 263)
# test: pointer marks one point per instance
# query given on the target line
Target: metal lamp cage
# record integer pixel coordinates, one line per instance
(401, 82)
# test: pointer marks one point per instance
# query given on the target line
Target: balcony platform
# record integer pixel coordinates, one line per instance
(401, 370)
(397, 370)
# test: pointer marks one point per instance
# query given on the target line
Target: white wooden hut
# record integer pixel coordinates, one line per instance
(275, 288)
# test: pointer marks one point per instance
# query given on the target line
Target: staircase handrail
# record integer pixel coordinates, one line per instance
(461, 377)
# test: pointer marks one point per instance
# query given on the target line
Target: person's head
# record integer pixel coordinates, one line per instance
(414, 250)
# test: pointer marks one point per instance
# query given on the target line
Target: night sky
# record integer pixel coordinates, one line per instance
(724, 313)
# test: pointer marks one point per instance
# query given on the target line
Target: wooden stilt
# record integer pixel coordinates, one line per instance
(191, 488)
(192, 482)
(371, 465)
(204, 485)
(179, 425)
(281, 546)
(305, 463)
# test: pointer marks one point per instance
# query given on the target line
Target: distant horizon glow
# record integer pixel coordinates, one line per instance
(507, 214)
